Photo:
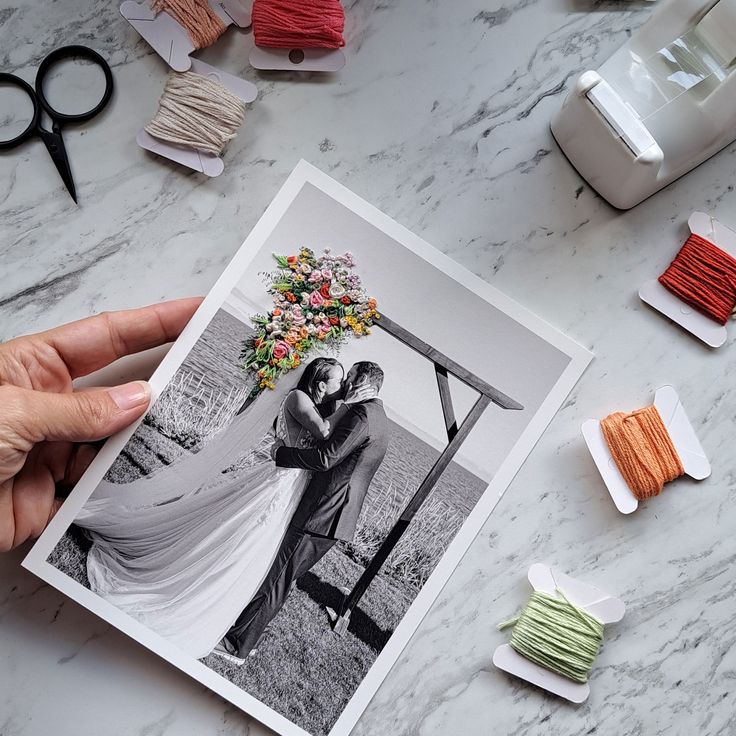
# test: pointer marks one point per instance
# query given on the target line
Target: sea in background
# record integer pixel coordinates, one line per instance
(211, 372)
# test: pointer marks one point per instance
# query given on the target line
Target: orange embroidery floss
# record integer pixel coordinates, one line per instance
(642, 450)
(703, 276)
(196, 17)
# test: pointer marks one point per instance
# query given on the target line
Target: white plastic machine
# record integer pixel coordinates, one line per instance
(662, 104)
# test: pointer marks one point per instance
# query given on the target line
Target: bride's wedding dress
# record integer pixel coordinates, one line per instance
(186, 562)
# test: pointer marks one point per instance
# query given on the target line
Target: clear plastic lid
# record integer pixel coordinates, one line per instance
(691, 65)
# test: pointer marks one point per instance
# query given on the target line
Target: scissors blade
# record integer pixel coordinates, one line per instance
(57, 151)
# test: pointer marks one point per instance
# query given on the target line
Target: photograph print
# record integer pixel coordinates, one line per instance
(321, 451)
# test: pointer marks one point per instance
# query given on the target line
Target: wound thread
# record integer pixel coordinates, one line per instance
(197, 112)
(298, 24)
(556, 634)
(703, 276)
(196, 17)
(642, 450)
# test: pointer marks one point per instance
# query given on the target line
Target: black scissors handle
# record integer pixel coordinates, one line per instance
(33, 126)
(78, 52)
(52, 139)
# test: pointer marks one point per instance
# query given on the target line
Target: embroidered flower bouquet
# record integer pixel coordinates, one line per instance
(318, 303)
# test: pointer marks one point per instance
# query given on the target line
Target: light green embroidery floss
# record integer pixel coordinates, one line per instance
(556, 634)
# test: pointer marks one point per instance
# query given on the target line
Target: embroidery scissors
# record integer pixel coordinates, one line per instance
(52, 139)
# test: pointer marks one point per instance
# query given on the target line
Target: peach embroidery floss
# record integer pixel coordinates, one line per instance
(642, 450)
(196, 17)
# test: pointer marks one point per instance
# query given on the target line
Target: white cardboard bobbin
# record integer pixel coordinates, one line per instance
(683, 436)
(602, 606)
(168, 39)
(205, 163)
(664, 301)
(296, 60)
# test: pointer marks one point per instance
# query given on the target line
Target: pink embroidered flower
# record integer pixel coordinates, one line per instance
(316, 299)
(326, 274)
(298, 316)
(280, 350)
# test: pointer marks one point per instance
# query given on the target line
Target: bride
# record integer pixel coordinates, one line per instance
(185, 566)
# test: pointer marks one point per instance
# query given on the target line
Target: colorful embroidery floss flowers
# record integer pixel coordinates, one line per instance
(554, 633)
(318, 303)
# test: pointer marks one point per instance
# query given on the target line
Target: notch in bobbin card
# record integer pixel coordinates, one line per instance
(681, 432)
(596, 602)
(658, 297)
(168, 39)
(296, 60)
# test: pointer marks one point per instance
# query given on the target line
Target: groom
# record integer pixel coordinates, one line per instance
(343, 467)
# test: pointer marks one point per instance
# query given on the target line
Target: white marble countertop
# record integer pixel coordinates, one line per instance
(441, 120)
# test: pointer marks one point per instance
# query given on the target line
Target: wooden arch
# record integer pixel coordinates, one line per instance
(456, 435)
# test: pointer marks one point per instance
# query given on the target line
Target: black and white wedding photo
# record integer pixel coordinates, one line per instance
(311, 457)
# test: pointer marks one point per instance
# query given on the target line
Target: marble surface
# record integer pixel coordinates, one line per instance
(441, 120)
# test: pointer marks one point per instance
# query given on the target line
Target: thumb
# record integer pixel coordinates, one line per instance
(82, 416)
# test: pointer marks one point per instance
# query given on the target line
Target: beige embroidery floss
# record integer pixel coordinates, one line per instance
(197, 112)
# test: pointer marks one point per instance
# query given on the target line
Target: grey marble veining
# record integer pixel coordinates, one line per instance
(441, 120)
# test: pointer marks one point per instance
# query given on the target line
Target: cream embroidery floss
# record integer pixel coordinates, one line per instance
(197, 112)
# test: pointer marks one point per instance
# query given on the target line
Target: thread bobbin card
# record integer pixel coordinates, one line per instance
(657, 296)
(680, 430)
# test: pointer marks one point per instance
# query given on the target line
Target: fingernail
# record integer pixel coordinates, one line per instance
(130, 395)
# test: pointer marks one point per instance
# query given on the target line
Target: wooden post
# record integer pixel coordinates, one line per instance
(461, 373)
(342, 617)
(455, 435)
(443, 384)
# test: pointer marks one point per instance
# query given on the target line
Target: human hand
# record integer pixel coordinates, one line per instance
(45, 423)
(359, 392)
(275, 448)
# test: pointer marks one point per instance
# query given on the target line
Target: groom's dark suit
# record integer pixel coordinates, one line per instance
(344, 466)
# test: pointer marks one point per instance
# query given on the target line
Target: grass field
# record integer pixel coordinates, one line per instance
(302, 669)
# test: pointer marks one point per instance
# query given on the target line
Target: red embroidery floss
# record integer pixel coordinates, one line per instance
(703, 276)
(298, 24)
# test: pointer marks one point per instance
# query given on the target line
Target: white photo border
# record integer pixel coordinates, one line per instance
(305, 173)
